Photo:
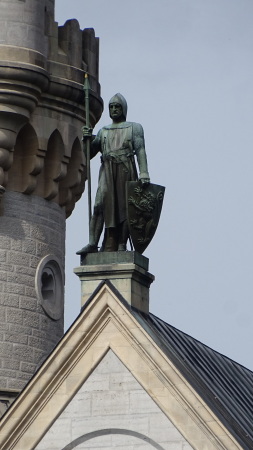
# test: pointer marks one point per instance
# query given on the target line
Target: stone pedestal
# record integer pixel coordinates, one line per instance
(127, 271)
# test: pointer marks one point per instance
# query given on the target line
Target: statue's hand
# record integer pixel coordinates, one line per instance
(145, 181)
(87, 132)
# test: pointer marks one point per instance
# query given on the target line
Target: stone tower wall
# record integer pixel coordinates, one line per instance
(42, 174)
(30, 229)
(25, 26)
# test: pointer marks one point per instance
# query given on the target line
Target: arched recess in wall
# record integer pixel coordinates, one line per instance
(54, 168)
(22, 176)
(138, 437)
(72, 186)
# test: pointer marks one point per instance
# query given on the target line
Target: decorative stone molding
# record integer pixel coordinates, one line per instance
(49, 284)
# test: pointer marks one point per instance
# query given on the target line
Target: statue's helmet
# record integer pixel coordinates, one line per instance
(118, 98)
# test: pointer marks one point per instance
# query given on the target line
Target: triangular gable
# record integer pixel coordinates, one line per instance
(105, 324)
(112, 410)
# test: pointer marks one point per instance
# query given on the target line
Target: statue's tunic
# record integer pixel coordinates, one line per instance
(118, 144)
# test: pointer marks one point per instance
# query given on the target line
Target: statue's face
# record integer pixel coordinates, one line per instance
(115, 111)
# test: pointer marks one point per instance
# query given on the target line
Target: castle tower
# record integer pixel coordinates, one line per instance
(42, 175)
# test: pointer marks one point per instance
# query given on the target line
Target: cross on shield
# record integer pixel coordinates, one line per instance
(144, 205)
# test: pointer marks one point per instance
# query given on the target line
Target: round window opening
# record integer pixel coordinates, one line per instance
(49, 285)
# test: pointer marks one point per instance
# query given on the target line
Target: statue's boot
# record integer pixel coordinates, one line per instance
(89, 248)
(111, 240)
(123, 236)
(96, 226)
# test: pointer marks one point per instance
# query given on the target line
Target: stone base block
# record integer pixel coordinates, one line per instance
(127, 271)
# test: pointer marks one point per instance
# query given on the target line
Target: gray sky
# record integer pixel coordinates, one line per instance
(185, 68)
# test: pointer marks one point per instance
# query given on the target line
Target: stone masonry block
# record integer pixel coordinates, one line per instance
(16, 245)
(5, 243)
(30, 292)
(13, 383)
(34, 261)
(6, 267)
(100, 382)
(6, 350)
(26, 271)
(15, 328)
(18, 33)
(14, 288)
(18, 258)
(29, 246)
(14, 315)
(37, 234)
(3, 32)
(140, 400)
(161, 428)
(113, 403)
(39, 356)
(20, 278)
(11, 364)
(28, 367)
(45, 222)
(36, 342)
(31, 319)
(22, 352)
(3, 276)
(42, 249)
(24, 376)
(3, 254)
(44, 323)
(40, 334)
(54, 237)
(123, 382)
(7, 373)
(16, 338)
(3, 383)
(28, 303)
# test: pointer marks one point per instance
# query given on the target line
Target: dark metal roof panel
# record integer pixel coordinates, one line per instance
(226, 386)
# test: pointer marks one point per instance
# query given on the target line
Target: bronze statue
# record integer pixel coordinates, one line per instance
(118, 144)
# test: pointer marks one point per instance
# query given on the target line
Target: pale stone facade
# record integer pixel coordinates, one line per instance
(112, 410)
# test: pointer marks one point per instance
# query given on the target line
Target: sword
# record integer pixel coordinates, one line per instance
(86, 88)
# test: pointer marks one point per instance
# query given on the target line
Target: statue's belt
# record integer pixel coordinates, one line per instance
(118, 157)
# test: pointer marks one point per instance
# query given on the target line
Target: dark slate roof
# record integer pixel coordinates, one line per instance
(226, 386)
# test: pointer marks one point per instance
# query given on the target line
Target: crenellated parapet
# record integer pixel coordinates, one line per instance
(41, 101)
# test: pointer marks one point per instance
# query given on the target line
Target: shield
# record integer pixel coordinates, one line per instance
(144, 205)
